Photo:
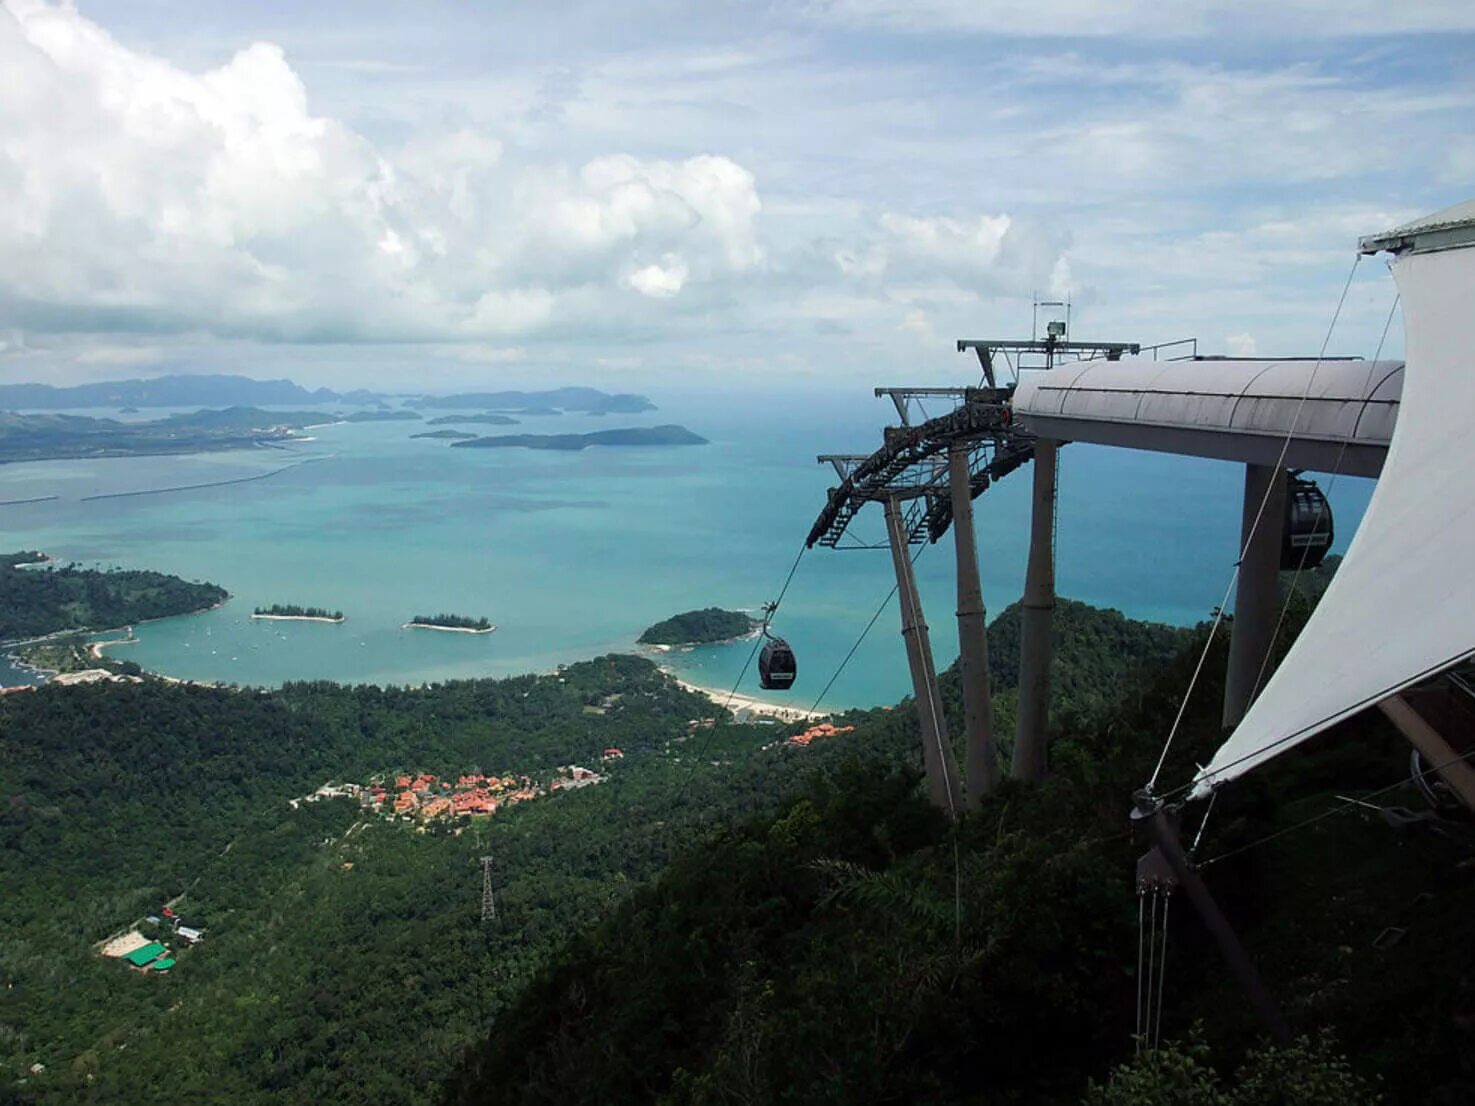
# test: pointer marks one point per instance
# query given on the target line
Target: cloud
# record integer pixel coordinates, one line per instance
(1240, 345)
(140, 196)
(1151, 18)
(995, 253)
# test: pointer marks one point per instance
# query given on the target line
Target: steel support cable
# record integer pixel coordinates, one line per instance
(1345, 805)
(1162, 972)
(1300, 568)
(1199, 836)
(1306, 551)
(753, 652)
(1151, 960)
(1285, 446)
(1137, 1028)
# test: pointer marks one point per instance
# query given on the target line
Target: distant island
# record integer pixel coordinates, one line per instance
(293, 613)
(487, 418)
(647, 435)
(46, 437)
(553, 401)
(455, 623)
(447, 435)
(699, 628)
(229, 390)
(383, 416)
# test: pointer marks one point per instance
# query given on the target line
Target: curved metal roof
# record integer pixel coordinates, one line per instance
(1399, 608)
(1339, 414)
(1451, 228)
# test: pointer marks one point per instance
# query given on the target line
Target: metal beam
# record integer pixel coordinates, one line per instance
(980, 759)
(1351, 458)
(1432, 746)
(937, 753)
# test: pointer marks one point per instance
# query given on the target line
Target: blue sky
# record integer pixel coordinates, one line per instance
(663, 194)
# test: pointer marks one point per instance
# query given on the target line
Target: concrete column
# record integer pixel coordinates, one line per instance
(937, 755)
(1257, 592)
(981, 761)
(1037, 614)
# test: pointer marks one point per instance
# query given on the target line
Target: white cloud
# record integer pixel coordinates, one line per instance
(1152, 18)
(120, 355)
(1240, 345)
(479, 353)
(659, 281)
(982, 252)
(137, 195)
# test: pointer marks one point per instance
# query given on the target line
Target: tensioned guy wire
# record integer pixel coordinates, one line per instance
(1335, 472)
(1254, 526)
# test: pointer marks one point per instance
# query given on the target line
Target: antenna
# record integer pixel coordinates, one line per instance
(488, 902)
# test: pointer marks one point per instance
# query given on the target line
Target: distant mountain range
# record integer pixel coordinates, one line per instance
(589, 401)
(643, 435)
(214, 390)
(172, 391)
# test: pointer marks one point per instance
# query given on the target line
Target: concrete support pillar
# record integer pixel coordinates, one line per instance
(1037, 614)
(1257, 592)
(980, 760)
(937, 754)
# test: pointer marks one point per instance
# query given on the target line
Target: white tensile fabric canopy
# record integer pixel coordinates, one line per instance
(1402, 604)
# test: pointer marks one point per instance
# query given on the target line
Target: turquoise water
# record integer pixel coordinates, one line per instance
(573, 554)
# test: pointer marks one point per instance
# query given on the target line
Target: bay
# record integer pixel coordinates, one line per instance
(573, 554)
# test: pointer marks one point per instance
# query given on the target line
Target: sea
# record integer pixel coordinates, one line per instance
(572, 554)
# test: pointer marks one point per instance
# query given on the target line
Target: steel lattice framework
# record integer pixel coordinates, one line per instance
(912, 463)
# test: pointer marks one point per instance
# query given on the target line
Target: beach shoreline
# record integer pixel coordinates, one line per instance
(296, 618)
(96, 648)
(446, 629)
(761, 707)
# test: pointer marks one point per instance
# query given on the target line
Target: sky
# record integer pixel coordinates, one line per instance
(704, 195)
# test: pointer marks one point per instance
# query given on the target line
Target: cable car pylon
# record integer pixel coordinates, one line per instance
(926, 475)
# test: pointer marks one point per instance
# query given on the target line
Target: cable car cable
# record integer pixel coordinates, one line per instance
(769, 610)
(1345, 805)
(1254, 527)
(1182, 788)
(1331, 483)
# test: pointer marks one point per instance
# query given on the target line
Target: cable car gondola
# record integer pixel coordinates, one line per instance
(1308, 525)
(776, 667)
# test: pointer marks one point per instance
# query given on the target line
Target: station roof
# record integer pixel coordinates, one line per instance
(1339, 413)
(1450, 228)
(1398, 609)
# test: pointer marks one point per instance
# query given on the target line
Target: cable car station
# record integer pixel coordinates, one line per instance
(1277, 417)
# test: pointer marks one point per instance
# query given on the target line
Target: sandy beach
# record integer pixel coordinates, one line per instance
(295, 618)
(446, 629)
(97, 647)
(740, 701)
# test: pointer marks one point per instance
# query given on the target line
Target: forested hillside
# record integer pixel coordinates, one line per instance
(42, 600)
(117, 797)
(855, 948)
(818, 934)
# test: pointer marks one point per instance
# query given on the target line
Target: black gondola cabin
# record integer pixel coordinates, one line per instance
(776, 667)
(1308, 526)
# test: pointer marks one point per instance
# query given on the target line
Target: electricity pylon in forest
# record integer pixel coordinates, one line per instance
(488, 901)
